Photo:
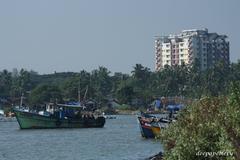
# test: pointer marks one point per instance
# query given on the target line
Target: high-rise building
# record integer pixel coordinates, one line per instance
(189, 45)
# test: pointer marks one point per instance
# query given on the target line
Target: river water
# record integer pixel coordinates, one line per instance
(119, 140)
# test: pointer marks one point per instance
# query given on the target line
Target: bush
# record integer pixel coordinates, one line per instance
(209, 125)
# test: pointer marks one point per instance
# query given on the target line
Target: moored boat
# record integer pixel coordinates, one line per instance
(60, 116)
(1, 112)
(151, 126)
(148, 128)
(109, 116)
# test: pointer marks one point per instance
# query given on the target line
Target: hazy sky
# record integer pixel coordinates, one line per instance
(71, 35)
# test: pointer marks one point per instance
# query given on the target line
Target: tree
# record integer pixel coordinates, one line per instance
(141, 83)
(214, 82)
(194, 87)
(24, 81)
(166, 82)
(45, 94)
(72, 85)
(116, 79)
(141, 74)
(234, 74)
(101, 81)
(125, 92)
(5, 83)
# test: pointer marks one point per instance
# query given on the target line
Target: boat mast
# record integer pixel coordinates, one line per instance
(85, 94)
(79, 92)
(21, 100)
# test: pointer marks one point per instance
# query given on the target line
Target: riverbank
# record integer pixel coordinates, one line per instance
(158, 156)
(127, 112)
(134, 112)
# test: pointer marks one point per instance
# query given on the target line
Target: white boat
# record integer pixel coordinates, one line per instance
(1, 112)
(109, 116)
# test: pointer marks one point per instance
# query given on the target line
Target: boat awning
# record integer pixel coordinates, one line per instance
(70, 106)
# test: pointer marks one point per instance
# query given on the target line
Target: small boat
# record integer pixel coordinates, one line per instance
(59, 116)
(109, 116)
(7, 119)
(1, 112)
(151, 126)
(148, 128)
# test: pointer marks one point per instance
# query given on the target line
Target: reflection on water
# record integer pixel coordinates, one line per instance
(119, 139)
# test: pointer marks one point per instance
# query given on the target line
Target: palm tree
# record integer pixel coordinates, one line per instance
(5, 83)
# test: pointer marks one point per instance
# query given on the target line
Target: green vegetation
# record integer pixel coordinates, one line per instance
(136, 89)
(209, 125)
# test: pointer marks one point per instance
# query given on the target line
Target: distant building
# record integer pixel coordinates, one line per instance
(189, 45)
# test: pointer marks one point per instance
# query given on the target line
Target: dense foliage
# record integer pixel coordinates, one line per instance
(136, 89)
(211, 125)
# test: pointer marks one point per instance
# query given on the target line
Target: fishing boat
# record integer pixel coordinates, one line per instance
(59, 116)
(74, 115)
(151, 126)
(148, 128)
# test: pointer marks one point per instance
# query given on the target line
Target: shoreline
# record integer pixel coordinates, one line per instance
(158, 156)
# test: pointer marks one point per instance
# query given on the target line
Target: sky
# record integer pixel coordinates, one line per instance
(72, 35)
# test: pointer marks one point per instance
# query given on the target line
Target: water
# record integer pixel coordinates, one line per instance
(119, 140)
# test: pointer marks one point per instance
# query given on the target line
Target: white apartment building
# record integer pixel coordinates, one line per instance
(189, 45)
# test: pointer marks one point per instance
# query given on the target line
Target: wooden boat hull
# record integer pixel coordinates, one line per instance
(147, 129)
(27, 120)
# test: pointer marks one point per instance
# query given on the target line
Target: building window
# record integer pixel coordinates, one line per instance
(181, 44)
(181, 55)
(167, 45)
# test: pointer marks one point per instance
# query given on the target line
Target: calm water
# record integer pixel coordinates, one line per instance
(119, 140)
